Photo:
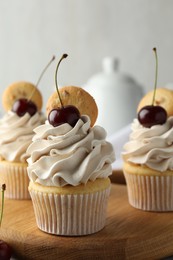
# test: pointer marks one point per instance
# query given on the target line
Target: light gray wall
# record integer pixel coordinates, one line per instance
(88, 30)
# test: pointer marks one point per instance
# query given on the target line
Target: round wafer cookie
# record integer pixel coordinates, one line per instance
(77, 97)
(163, 98)
(19, 90)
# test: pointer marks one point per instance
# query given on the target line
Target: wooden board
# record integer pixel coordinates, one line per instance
(118, 177)
(129, 234)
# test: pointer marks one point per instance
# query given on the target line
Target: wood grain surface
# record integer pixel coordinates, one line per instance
(129, 234)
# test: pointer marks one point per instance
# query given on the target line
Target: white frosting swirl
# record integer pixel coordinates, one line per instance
(16, 134)
(64, 155)
(152, 147)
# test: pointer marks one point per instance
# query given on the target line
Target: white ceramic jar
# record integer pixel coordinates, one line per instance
(117, 96)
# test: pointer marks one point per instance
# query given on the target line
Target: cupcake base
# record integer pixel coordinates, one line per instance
(71, 211)
(148, 189)
(15, 176)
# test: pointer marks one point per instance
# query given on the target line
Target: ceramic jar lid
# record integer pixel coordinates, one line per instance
(117, 95)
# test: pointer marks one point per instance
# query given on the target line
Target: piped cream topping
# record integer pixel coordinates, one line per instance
(16, 134)
(65, 155)
(152, 147)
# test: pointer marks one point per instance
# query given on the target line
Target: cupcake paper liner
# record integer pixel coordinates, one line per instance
(16, 179)
(151, 193)
(71, 214)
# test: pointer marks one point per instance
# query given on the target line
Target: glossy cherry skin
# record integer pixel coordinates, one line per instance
(22, 106)
(5, 251)
(152, 115)
(66, 114)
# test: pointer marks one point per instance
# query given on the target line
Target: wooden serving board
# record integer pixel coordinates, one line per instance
(118, 177)
(129, 234)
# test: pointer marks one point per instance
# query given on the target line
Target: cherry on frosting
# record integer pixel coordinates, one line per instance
(23, 106)
(152, 115)
(64, 114)
(67, 114)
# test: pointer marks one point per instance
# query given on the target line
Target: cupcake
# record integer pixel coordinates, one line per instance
(16, 132)
(69, 166)
(148, 155)
(22, 102)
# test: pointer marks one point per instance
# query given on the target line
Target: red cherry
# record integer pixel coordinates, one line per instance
(66, 114)
(152, 115)
(22, 106)
(5, 251)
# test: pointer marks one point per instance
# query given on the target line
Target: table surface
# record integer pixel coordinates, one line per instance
(129, 233)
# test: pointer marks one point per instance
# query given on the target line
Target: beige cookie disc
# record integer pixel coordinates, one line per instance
(19, 90)
(77, 97)
(163, 98)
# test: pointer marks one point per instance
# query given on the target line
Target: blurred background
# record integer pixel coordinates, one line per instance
(32, 31)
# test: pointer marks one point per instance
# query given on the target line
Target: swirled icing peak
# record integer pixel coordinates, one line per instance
(16, 134)
(152, 147)
(65, 155)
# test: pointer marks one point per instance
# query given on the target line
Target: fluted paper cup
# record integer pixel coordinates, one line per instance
(151, 193)
(15, 176)
(70, 214)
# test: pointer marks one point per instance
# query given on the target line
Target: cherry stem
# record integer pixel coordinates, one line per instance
(56, 81)
(41, 75)
(3, 188)
(156, 73)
